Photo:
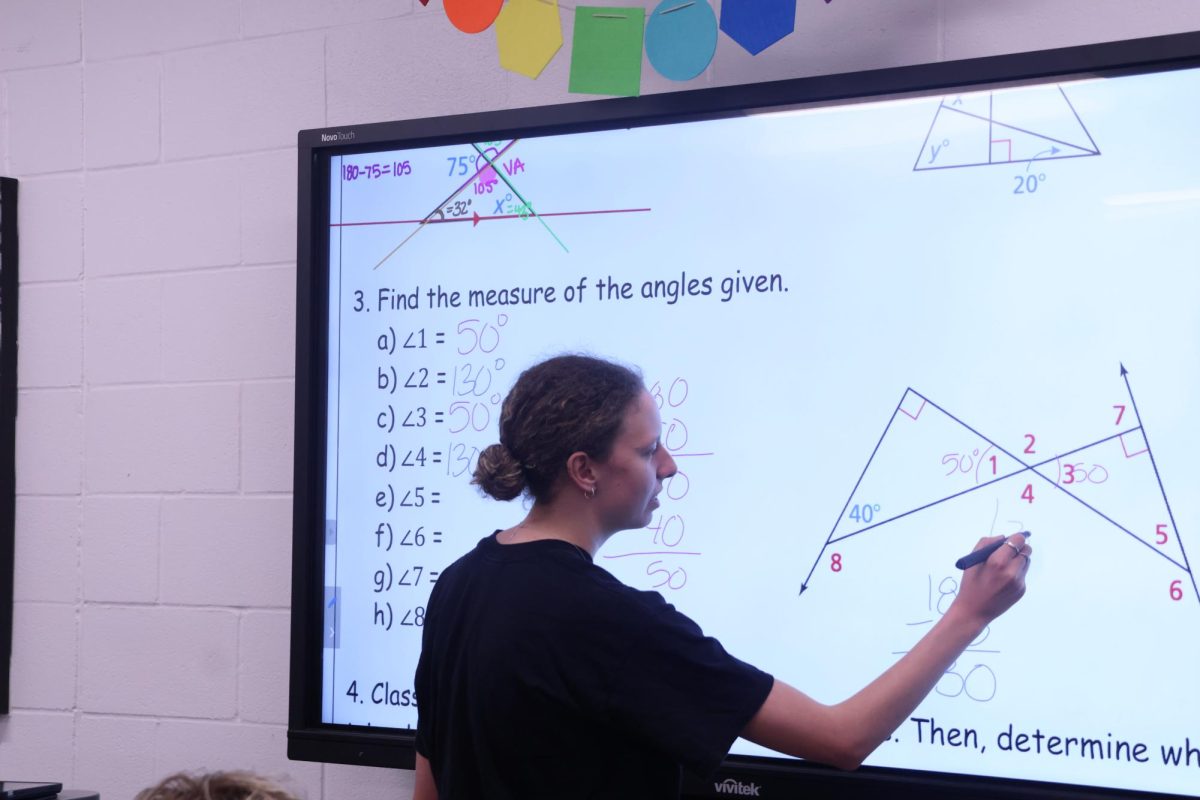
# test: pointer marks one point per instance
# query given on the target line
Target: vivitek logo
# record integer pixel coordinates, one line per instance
(340, 136)
(731, 786)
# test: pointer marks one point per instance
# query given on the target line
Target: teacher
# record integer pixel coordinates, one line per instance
(543, 676)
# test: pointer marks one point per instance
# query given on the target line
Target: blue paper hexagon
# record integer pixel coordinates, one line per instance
(758, 24)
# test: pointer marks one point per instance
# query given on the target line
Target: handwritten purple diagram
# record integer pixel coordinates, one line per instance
(977, 130)
(928, 456)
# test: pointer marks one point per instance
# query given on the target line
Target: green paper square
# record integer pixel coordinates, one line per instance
(606, 52)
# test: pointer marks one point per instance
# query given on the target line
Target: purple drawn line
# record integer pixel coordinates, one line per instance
(917, 165)
(1018, 161)
(1086, 133)
(1028, 132)
(481, 218)
(1024, 468)
(1138, 453)
(1072, 495)
(857, 483)
(1162, 489)
(656, 553)
(919, 408)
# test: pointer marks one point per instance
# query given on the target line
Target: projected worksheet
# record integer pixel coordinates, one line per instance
(876, 333)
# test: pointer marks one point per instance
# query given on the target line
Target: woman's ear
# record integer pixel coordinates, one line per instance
(582, 472)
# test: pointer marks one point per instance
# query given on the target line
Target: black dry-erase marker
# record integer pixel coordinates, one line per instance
(980, 555)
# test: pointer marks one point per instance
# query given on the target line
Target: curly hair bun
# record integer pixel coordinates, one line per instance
(498, 474)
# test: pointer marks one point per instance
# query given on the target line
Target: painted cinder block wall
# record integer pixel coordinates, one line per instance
(155, 144)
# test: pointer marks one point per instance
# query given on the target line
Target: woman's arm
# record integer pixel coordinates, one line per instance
(846, 733)
(424, 787)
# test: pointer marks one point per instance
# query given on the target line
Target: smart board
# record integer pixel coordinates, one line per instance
(875, 332)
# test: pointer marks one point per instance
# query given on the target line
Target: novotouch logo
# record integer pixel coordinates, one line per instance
(736, 787)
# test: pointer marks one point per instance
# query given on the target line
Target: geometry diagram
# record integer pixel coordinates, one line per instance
(480, 180)
(1018, 126)
(927, 457)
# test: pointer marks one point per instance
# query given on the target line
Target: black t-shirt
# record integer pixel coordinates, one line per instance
(543, 676)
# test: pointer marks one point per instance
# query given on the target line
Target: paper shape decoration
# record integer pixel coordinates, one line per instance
(758, 24)
(606, 53)
(681, 37)
(472, 16)
(528, 34)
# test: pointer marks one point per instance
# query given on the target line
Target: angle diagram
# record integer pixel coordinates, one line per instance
(927, 456)
(1038, 124)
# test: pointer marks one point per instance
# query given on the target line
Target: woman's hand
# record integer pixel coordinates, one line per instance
(845, 733)
(989, 589)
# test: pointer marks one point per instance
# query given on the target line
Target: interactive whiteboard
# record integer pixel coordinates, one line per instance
(876, 333)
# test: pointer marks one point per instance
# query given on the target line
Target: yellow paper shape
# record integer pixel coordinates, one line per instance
(528, 33)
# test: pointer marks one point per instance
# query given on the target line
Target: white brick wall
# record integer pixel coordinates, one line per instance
(242, 545)
(267, 423)
(36, 742)
(116, 752)
(121, 112)
(51, 322)
(180, 438)
(45, 677)
(161, 660)
(119, 554)
(117, 28)
(263, 639)
(173, 216)
(254, 307)
(39, 32)
(51, 252)
(123, 330)
(155, 143)
(45, 120)
(242, 97)
(45, 556)
(49, 442)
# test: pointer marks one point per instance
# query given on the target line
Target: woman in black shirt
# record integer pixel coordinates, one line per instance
(541, 675)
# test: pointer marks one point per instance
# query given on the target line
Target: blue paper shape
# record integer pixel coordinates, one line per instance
(681, 38)
(758, 24)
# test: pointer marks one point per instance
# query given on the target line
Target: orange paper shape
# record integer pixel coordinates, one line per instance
(472, 16)
(528, 34)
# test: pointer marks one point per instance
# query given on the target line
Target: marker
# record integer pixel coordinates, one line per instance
(981, 555)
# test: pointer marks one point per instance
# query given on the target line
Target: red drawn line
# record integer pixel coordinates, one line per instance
(482, 218)
(1126, 451)
(1005, 141)
(655, 553)
(919, 410)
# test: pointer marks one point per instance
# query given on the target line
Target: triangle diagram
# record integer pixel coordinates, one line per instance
(1115, 479)
(925, 457)
(1016, 126)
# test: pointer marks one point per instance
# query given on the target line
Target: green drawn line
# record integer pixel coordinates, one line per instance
(500, 173)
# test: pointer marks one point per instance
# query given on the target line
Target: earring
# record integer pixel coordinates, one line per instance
(591, 494)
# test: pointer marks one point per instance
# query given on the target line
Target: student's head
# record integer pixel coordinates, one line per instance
(568, 404)
(234, 785)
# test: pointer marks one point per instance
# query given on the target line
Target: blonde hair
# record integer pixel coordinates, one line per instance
(233, 785)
